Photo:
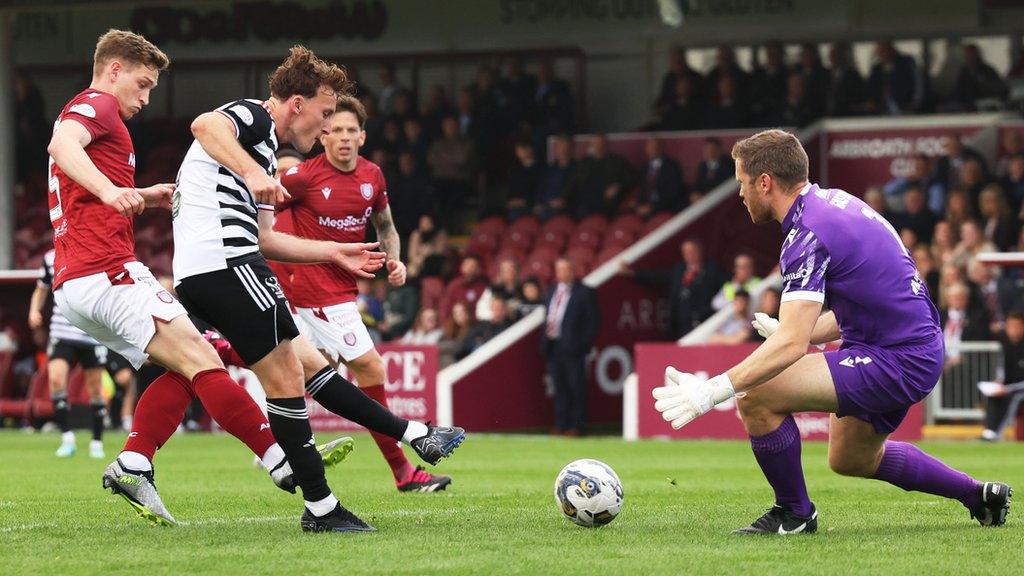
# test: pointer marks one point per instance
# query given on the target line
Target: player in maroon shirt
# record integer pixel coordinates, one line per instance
(333, 197)
(102, 288)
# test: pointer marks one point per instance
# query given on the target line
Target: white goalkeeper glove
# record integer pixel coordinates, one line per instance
(684, 397)
(764, 324)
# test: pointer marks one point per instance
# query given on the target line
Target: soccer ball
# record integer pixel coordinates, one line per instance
(588, 492)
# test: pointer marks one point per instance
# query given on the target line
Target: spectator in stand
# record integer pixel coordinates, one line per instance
(962, 321)
(737, 328)
(467, 287)
(456, 328)
(389, 88)
(679, 67)
(662, 188)
(484, 330)
(769, 80)
(400, 307)
(1013, 184)
(693, 284)
(374, 125)
(1000, 225)
(572, 321)
(943, 242)
(603, 180)
(686, 111)
(556, 183)
(532, 297)
(973, 180)
(954, 155)
(402, 107)
(958, 208)
(425, 331)
(1001, 408)
(524, 181)
(506, 287)
(428, 246)
(800, 108)
(892, 85)
(770, 302)
(743, 279)
(972, 242)
(477, 122)
(436, 107)
(552, 103)
(415, 141)
(370, 308)
(409, 195)
(32, 132)
(917, 216)
(928, 271)
(977, 81)
(716, 167)
(920, 176)
(726, 65)
(846, 92)
(875, 200)
(988, 291)
(519, 88)
(909, 238)
(816, 77)
(1011, 144)
(453, 164)
(392, 140)
(730, 108)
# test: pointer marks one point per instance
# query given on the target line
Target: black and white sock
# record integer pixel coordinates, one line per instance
(60, 410)
(346, 400)
(99, 412)
(289, 421)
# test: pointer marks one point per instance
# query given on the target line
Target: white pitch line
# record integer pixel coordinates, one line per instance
(244, 520)
(25, 527)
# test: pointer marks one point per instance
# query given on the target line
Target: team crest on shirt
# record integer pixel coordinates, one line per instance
(366, 189)
(165, 297)
(326, 192)
(350, 339)
(84, 109)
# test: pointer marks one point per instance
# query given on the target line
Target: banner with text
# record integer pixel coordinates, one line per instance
(723, 422)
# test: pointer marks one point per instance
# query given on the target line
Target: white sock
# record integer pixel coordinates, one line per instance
(322, 507)
(414, 430)
(135, 461)
(68, 437)
(94, 443)
(272, 457)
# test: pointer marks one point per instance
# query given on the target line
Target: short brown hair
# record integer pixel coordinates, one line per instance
(303, 73)
(774, 152)
(129, 47)
(352, 104)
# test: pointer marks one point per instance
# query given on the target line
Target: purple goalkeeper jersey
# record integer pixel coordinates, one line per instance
(841, 252)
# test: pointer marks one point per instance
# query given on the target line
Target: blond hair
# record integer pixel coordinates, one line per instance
(774, 152)
(128, 47)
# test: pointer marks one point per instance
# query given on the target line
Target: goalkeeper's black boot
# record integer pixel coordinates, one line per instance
(995, 504)
(779, 520)
(338, 520)
(439, 442)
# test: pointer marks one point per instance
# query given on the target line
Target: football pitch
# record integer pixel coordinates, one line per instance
(498, 517)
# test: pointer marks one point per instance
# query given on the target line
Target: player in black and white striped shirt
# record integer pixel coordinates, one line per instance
(68, 346)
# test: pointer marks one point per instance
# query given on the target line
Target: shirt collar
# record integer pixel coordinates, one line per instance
(798, 207)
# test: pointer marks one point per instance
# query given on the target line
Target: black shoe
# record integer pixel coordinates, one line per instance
(780, 520)
(439, 442)
(423, 481)
(338, 520)
(995, 504)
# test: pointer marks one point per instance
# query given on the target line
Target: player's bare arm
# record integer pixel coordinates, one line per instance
(35, 306)
(216, 134)
(826, 329)
(67, 148)
(357, 258)
(390, 244)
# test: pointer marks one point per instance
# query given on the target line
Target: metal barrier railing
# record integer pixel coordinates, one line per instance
(956, 397)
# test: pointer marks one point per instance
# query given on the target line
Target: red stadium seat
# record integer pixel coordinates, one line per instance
(483, 243)
(545, 254)
(518, 239)
(560, 223)
(656, 221)
(555, 238)
(526, 224)
(494, 225)
(431, 291)
(595, 222)
(542, 270)
(609, 252)
(621, 237)
(586, 238)
(627, 222)
(581, 255)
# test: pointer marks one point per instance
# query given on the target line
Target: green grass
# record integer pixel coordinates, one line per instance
(497, 518)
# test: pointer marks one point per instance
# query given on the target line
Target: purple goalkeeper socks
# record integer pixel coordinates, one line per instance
(906, 466)
(778, 454)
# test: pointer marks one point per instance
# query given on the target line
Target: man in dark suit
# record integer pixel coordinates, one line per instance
(572, 320)
(716, 167)
(662, 187)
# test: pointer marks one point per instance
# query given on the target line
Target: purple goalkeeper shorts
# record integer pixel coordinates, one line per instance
(878, 385)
